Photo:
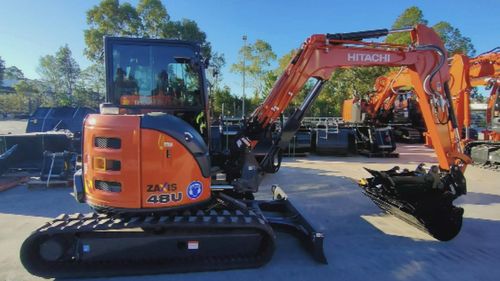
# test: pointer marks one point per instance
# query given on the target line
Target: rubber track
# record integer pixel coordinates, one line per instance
(189, 220)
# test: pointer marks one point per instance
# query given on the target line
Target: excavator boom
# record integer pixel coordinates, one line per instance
(320, 55)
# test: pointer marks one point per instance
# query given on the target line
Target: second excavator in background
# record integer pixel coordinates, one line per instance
(483, 71)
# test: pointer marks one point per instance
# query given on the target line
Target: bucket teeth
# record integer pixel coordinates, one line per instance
(62, 217)
(418, 197)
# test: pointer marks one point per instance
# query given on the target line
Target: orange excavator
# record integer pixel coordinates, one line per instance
(484, 70)
(392, 94)
(170, 196)
(396, 86)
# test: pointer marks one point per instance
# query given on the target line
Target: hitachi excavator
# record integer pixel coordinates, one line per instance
(483, 70)
(392, 97)
(168, 199)
(465, 73)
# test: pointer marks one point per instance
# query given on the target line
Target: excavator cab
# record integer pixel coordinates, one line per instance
(144, 76)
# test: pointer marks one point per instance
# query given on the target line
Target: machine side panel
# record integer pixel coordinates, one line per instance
(170, 174)
(111, 161)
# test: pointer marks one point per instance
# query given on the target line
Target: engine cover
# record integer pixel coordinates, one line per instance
(143, 162)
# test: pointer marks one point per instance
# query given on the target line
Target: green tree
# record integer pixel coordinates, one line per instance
(2, 70)
(186, 29)
(109, 18)
(91, 86)
(86, 97)
(453, 39)
(12, 103)
(31, 93)
(214, 76)
(269, 79)
(13, 73)
(60, 73)
(271, 76)
(410, 17)
(48, 71)
(285, 60)
(255, 60)
(344, 84)
(93, 78)
(149, 19)
(154, 18)
(68, 68)
(222, 97)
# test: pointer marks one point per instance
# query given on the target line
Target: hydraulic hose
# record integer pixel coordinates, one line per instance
(429, 90)
(442, 60)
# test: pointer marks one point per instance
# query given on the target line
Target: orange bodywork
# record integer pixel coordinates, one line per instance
(460, 88)
(347, 108)
(320, 56)
(465, 73)
(485, 71)
(386, 90)
(156, 171)
(484, 68)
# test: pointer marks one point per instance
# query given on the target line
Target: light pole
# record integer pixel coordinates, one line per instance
(244, 69)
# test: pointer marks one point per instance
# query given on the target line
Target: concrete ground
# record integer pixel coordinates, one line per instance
(13, 126)
(361, 243)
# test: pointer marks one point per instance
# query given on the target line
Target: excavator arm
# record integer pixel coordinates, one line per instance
(423, 198)
(485, 71)
(321, 55)
(386, 88)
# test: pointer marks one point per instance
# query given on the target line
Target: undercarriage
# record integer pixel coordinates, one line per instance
(225, 234)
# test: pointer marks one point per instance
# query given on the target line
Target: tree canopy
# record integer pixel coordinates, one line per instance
(2, 70)
(255, 60)
(453, 39)
(60, 72)
(13, 73)
(410, 17)
(149, 19)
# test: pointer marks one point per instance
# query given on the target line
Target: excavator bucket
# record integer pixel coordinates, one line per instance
(421, 198)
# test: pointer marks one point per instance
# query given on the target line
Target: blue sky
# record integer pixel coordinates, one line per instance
(31, 29)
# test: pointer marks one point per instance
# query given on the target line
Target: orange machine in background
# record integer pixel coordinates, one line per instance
(484, 70)
(465, 74)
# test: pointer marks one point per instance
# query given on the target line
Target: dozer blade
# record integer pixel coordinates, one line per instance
(284, 216)
(424, 200)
